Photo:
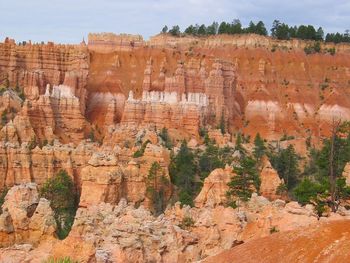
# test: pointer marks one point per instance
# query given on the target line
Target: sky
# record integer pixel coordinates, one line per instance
(68, 21)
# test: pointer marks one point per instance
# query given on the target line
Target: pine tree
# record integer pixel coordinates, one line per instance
(213, 28)
(202, 30)
(156, 185)
(191, 30)
(182, 172)
(259, 147)
(239, 147)
(286, 164)
(246, 181)
(222, 123)
(175, 31)
(223, 28)
(61, 193)
(260, 29)
(165, 29)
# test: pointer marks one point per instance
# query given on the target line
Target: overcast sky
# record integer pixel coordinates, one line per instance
(68, 21)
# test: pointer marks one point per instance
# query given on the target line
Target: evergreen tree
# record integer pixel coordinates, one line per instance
(235, 27)
(214, 157)
(251, 28)
(166, 138)
(191, 30)
(275, 25)
(246, 181)
(260, 29)
(286, 164)
(293, 32)
(182, 172)
(259, 147)
(213, 28)
(202, 30)
(280, 30)
(319, 34)
(165, 29)
(223, 28)
(61, 193)
(175, 31)
(222, 125)
(157, 184)
(239, 146)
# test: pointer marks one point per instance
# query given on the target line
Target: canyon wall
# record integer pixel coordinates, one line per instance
(74, 94)
(260, 84)
(96, 111)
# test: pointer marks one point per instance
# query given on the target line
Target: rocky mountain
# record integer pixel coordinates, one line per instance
(97, 111)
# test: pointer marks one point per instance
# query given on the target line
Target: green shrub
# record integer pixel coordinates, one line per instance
(32, 144)
(2, 197)
(331, 51)
(203, 132)
(231, 203)
(311, 49)
(4, 117)
(187, 222)
(273, 230)
(307, 191)
(61, 260)
(139, 153)
(281, 189)
(166, 138)
(61, 193)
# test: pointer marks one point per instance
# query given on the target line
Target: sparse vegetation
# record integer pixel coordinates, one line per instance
(273, 230)
(4, 117)
(166, 138)
(61, 260)
(141, 151)
(33, 143)
(213, 157)
(2, 197)
(313, 48)
(187, 222)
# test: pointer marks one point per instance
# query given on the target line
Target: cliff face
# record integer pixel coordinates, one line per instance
(33, 66)
(115, 86)
(96, 111)
(53, 80)
(258, 84)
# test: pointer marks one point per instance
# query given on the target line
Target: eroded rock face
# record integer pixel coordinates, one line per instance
(33, 66)
(129, 89)
(106, 179)
(346, 174)
(20, 164)
(214, 188)
(26, 217)
(107, 232)
(270, 181)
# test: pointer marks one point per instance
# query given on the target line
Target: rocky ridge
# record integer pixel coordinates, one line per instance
(121, 232)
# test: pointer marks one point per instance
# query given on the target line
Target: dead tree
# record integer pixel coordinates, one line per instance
(333, 164)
